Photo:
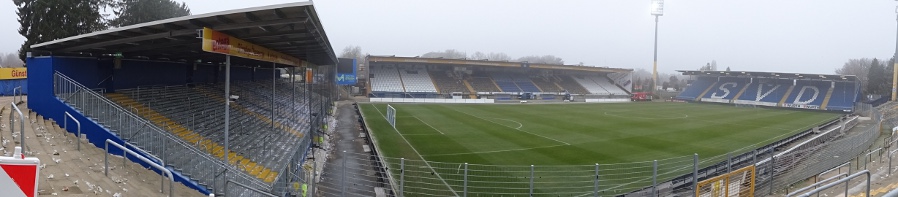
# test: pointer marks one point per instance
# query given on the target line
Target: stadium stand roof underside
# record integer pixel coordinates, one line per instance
(777, 75)
(487, 63)
(293, 29)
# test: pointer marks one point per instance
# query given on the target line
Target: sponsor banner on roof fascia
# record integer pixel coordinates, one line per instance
(217, 42)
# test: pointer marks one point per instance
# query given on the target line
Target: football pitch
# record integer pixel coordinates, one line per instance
(446, 135)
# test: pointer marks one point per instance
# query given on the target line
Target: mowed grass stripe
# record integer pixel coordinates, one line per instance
(595, 136)
(613, 135)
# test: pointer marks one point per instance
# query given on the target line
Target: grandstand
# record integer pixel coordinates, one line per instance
(791, 90)
(223, 121)
(413, 77)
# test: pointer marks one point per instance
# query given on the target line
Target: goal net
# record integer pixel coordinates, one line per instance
(739, 183)
(391, 115)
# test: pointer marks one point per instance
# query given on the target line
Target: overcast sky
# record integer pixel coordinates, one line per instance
(762, 35)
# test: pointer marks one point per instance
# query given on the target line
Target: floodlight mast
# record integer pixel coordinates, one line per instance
(895, 67)
(657, 10)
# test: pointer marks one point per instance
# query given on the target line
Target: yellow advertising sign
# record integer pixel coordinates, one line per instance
(13, 73)
(217, 42)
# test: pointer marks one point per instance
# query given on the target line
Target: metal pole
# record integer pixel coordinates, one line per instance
(655, 61)
(654, 177)
(895, 71)
(772, 173)
(273, 89)
(402, 177)
(531, 180)
(343, 176)
(465, 194)
(729, 161)
(227, 117)
(695, 174)
(293, 93)
(595, 188)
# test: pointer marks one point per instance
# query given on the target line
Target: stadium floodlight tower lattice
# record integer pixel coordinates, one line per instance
(657, 11)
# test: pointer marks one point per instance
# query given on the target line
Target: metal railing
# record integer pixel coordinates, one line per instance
(12, 125)
(17, 94)
(815, 185)
(126, 151)
(148, 136)
(65, 124)
(839, 182)
(254, 190)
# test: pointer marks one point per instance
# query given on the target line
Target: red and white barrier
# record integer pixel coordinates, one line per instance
(19, 175)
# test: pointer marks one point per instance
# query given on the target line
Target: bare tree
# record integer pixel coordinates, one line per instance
(352, 52)
(11, 60)
(857, 67)
(545, 59)
(499, 57)
(448, 54)
(479, 56)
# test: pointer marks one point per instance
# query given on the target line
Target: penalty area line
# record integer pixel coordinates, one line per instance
(419, 155)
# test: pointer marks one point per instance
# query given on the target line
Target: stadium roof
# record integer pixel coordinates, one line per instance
(506, 64)
(770, 75)
(292, 29)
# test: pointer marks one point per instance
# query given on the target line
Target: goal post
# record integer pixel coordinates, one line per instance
(739, 182)
(391, 115)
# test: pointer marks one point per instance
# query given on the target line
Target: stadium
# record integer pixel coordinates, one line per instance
(254, 102)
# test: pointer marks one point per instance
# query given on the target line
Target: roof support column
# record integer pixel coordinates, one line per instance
(274, 78)
(227, 116)
(293, 93)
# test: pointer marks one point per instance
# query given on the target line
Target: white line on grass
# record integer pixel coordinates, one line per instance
(434, 128)
(519, 124)
(497, 151)
(519, 129)
(419, 155)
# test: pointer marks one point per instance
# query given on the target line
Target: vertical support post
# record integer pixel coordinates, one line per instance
(402, 177)
(531, 180)
(729, 162)
(655, 61)
(343, 176)
(293, 93)
(895, 74)
(227, 117)
(772, 173)
(465, 194)
(695, 174)
(273, 90)
(595, 188)
(654, 178)
(754, 156)
(890, 164)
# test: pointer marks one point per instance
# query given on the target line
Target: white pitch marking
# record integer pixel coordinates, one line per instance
(419, 154)
(519, 124)
(519, 129)
(497, 151)
(434, 128)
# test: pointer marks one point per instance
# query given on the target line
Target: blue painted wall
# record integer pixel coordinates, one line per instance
(135, 73)
(42, 101)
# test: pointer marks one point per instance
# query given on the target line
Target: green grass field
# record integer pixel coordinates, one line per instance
(515, 136)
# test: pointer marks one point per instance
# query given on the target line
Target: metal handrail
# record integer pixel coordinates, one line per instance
(125, 151)
(167, 135)
(839, 182)
(19, 88)
(65, 124)
(21, 126)
(249, 188)
(817, 184)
